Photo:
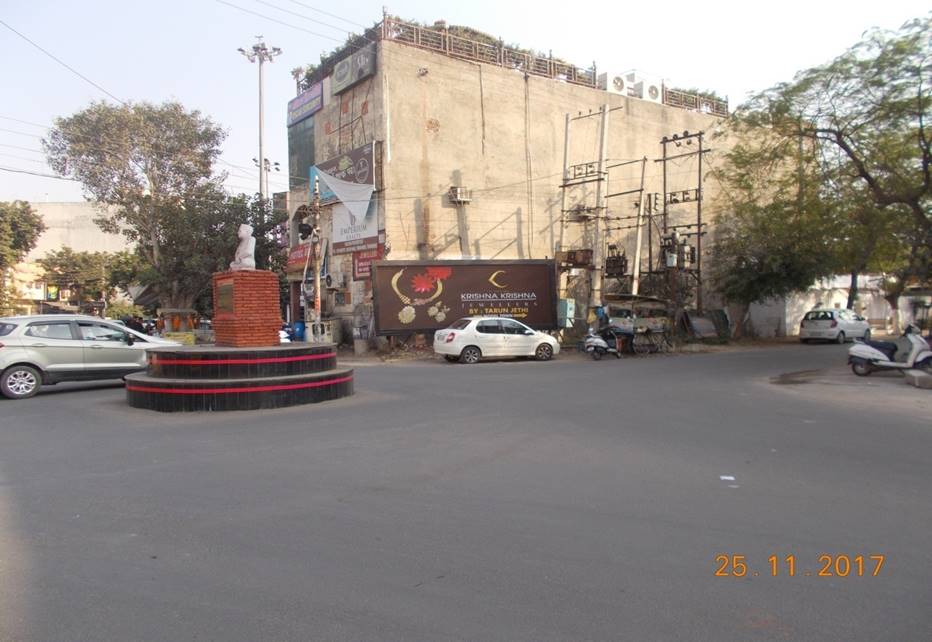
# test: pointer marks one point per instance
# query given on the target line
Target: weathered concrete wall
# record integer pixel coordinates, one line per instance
(453, 122)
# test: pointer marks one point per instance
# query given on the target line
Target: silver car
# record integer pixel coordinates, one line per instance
(46, 349)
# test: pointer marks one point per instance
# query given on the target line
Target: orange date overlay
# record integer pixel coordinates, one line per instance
(776, 566)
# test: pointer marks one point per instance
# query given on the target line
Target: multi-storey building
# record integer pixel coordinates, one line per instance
(463, 144)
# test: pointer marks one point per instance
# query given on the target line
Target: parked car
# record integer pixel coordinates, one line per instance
(833, 325)
(47, 349)
(473, 338)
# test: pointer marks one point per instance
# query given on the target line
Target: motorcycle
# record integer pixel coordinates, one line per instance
(606, 341)
(909, 351)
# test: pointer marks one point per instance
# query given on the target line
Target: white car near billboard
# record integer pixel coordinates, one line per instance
(473, 338)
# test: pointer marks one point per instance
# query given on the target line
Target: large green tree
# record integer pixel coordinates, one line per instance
(20, 228)
(155, 164)
(774, 231)
(867, 112)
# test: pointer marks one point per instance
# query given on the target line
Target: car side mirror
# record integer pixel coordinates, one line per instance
(529, 333)
(130, 339)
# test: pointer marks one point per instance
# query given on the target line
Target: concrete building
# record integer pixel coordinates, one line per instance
(67, 225)
(468, 153)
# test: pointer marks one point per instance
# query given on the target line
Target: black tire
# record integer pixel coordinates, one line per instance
(544, 352)
(451, 358)
(470, 354)
(20, 382)
(861, 368)
(867, 335)
(804, 340)
(596, 354)
(841, 338)
(925, 366)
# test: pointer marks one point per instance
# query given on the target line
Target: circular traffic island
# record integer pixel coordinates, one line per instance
(211, 378)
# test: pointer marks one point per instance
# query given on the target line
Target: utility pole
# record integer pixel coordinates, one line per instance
(595, 293)
(639, 226)
(261, 53)
(316, 241)
(566, 178)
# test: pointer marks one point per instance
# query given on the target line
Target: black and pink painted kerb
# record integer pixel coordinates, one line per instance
(190, 379)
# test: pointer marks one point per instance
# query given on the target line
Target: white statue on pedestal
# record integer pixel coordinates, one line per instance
(245, 258)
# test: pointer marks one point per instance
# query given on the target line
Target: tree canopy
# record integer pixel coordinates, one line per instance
(155, 163)
(20, 228)
(868, 113)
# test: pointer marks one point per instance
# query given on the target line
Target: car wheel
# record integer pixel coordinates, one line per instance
(544, 352)
(840, 338)
(861, 368)
(20, 382)
(867, 335)
(470, 354)
(451, 358)
(804, 340)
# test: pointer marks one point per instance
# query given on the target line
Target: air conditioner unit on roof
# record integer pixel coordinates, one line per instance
(633, 85)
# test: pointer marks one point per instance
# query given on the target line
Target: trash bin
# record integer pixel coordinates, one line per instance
(299, 329)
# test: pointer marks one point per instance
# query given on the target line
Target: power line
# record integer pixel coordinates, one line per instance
(304, 17)
(62, 63)
(42, 174)
(332, 15)
(286, 24)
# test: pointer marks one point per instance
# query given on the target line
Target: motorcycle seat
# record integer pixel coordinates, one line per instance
(888, 348)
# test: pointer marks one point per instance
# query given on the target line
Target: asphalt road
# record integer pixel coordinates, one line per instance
(569, 500)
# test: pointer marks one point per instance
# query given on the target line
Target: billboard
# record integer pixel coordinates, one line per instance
(419, 296)
(306, 104)
(355, 67)
(355, 166)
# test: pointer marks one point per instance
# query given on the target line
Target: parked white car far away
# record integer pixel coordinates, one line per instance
(833, 325)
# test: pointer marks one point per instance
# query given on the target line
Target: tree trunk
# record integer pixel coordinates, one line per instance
(853, 290)
(739, 314)
(894, 301)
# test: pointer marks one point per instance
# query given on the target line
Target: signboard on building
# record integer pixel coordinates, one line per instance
(352, 234)
(357, 66)
(418, 296)
(362, 262)
(299, 256)
(355, 166)
(306, 104)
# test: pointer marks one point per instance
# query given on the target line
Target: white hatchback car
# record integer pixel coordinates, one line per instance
(472, 338)
(833, 325)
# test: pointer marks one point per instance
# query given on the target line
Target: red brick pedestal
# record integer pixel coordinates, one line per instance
(246, 309)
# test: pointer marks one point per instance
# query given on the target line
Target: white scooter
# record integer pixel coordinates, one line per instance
(909, 351)
(601, 343)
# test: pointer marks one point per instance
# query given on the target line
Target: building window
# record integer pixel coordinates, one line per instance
(300, 152)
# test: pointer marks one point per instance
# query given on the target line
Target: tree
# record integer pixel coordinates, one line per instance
(772, 234)
(868, 112)
(86, 275)
(20, 228)
(155, 163)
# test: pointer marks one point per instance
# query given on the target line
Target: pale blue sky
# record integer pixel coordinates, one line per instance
(186, 50)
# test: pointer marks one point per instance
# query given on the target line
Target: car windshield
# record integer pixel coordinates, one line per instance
(460, 325)
(6, 328)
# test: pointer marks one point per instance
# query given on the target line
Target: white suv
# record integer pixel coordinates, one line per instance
(47, 349)
(833, 325)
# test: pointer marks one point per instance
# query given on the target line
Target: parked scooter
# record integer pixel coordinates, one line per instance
(909, 351)
(605, 341)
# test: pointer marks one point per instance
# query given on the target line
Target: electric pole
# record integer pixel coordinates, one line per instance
(261, 53)
(595, 292)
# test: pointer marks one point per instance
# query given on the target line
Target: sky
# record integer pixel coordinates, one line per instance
(186, 50)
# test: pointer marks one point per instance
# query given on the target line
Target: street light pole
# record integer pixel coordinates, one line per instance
(261, 53)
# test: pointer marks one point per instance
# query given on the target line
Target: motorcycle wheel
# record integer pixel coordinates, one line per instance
(861, 368)
(596, 355)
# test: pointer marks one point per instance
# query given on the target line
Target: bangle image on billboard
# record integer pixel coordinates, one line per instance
(420, 296)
